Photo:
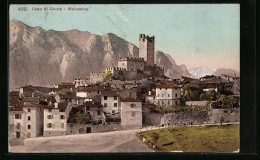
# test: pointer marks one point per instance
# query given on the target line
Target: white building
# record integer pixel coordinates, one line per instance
(131, 113)
(55, 119)
(110, 101)
(26, 121)
(167, 94)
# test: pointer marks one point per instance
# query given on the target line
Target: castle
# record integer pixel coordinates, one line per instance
(135, 68)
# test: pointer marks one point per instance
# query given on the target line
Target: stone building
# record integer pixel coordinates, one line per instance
(167, 94)
(146, 49)
(110, 101)
(96, 77)
(131, 113)
(81, 82)
(135, 68)
(26, 121)
(236, 85)
(55, 119)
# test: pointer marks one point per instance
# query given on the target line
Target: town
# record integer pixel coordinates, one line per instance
(133, 95)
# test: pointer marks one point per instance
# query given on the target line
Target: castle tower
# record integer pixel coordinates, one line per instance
(146, 48)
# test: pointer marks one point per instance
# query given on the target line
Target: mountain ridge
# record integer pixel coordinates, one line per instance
(47, 57)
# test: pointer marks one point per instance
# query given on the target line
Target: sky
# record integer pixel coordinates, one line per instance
(197, 35)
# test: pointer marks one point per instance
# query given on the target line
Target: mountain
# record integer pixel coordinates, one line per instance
(230, 72)
(40, 57)
(200, 72)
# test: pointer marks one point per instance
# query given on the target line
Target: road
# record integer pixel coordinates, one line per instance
(117, 141)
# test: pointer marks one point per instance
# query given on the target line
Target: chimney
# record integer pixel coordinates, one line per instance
(56, 105)
(150, 93)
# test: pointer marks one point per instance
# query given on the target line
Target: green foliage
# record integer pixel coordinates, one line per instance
(108, 75)
(80, 118)
(195, 139)
(66, 91)
(191, 93)
(170, 109)
(227, 101)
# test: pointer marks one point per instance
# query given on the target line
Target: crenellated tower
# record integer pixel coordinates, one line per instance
(146, 48)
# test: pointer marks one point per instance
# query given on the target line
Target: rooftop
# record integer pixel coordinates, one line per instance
(130, 99)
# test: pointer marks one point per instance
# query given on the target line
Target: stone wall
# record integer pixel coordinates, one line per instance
(198, 117)
(196, 103)
(95, 77)
(112, 126)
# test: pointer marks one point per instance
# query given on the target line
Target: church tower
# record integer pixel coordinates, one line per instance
(146, 48)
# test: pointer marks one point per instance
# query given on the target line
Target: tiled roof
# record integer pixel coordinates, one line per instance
(33, 105)
(148, 105)
(67, 84)
(92, 88)
(68, 96)
(92, 103)
(110, 93)
(61, 105)
(130, 99)
(208, 85)
(167, 84)
(15, 108)
(31, 99)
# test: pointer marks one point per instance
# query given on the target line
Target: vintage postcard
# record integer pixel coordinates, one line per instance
(124, 78)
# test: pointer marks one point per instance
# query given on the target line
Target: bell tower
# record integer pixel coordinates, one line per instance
(146, 49)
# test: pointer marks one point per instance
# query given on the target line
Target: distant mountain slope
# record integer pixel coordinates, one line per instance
(200, 72)
(230, 72)
(41, 57)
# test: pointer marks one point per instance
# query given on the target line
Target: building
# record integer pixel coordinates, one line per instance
(236, 85)
(90, 91)
(55, 119)
(146, 48)
(131, 113)
(167, 94)
(26, 121)
(135, 68)
(81, 82)
(110, 101)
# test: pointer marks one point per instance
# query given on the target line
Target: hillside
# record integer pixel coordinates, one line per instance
(40, 57)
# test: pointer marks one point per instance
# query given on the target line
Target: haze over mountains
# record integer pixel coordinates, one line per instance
(40, 57)
(202, 71)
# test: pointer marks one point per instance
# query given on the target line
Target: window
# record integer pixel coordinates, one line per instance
(169, 102)
(175, 94)
(62, 110)
(29, 118)
(28, 135)
(175, 102)
(158, 95)
(105, 104)
(62, 117)
(162, 95)
(105, 97)
(97, 92)
(50, 116)
(29, 110)
(113, 111)
(98, 112)
(165, 88)
(168, 95)
(62, 125)
(50, 110)
(115, 97)
(160, 88)
(49, 125)
(133, 114)
(29, 126)
(18, 126)
(87, 108)
(123, 64)
(115, 104)
(18, 116)
(132, 105)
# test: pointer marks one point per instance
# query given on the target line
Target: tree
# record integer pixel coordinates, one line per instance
(227, 101)
(80, 118)
(108, 75)
(191, 93)
(211, 95)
